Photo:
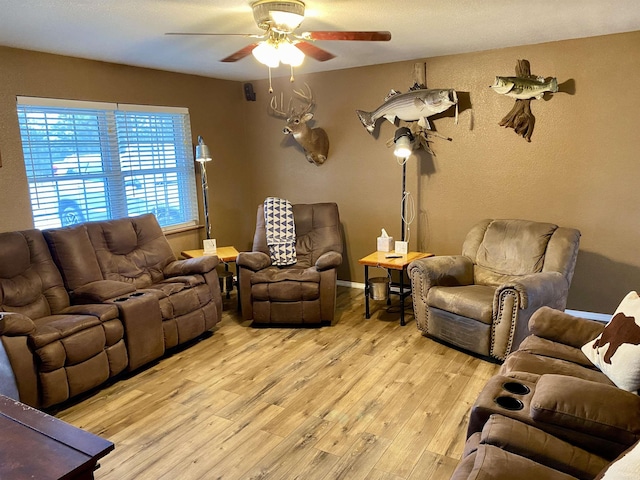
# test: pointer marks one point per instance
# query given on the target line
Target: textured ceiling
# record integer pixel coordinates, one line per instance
(132, 32)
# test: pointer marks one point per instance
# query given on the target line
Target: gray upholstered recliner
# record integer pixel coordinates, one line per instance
(303, 293)
(482, 300)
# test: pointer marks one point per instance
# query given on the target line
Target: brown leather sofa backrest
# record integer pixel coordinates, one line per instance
(503, 250)
(74, 255)
(317, 232)
(132, 250)
(30, 283)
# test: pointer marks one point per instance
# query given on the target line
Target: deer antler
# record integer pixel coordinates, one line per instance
(276, 111)
(307, 97)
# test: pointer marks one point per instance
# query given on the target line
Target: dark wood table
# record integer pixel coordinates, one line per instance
(36, 445)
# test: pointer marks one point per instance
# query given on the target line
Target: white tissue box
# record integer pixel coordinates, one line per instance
(402, 247)
(385, 244)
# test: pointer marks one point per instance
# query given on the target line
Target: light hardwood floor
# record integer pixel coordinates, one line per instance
(363, 399)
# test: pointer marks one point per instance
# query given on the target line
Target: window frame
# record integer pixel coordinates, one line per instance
(145, 164)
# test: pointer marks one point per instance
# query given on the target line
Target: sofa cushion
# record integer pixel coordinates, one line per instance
(522, 361)
(514, 247)
(74, 255)
(616, 351)
(471, 301)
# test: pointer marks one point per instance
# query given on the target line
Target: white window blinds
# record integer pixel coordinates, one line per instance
(89, 161)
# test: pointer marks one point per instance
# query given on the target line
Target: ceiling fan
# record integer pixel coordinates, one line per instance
(279, 19)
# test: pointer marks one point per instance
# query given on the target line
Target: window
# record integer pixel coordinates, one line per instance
(89, 161)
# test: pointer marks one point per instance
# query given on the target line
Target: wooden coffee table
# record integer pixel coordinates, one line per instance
(390, 261)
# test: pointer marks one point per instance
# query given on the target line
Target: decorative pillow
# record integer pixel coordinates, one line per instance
(616, 351)
(625, 467)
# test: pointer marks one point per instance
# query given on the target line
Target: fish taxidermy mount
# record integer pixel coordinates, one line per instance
(418, 104)
(524, 87)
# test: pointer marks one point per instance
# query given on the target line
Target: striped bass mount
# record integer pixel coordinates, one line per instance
(411, 106)
(524, 88)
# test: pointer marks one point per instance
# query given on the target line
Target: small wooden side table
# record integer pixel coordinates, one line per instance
(390, 261)
(226, 255)
(36, 445)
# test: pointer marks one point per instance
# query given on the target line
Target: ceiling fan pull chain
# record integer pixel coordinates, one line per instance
(270, 87)
(292, 79)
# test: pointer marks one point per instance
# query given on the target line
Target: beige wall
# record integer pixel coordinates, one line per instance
(578, 171)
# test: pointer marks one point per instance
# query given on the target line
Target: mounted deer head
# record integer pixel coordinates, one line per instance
(314, 141)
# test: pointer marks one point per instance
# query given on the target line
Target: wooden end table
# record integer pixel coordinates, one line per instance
(390, 261)
(36, 445)
(226, 255)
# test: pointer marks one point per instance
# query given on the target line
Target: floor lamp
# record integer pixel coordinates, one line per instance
(403, 140)
(203, 156)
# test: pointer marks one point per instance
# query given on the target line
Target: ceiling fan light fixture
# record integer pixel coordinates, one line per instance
(290, 54)
(284, 16)
(267, 54)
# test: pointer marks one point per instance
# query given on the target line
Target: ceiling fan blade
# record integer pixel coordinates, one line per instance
(361, 36)
(240, 54)
(248, 35)
(314, 52)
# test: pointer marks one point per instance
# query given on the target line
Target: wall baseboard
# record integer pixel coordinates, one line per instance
(600, 317)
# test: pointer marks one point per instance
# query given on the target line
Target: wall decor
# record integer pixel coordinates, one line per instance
(413, 109)
(314, 141)
(417, 104)
(524, 87)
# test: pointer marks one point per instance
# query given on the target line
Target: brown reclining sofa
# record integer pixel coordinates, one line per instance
(550, 413)
(80, 304)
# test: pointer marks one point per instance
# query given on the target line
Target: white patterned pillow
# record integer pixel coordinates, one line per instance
(616, 351)
(625, 467)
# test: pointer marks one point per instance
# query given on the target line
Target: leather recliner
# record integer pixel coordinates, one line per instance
(303, 293)
(50, 350)
(481, 301)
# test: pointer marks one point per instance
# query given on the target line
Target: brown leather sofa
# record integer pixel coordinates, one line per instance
(482, 300)
(50, 350)
(303, 293)
(84, 303)
(549, 412)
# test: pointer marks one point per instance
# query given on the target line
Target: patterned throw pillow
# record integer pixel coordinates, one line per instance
(616, 351)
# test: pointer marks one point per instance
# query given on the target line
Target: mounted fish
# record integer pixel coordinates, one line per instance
(314, 141)
(414, 105)
(524, 87)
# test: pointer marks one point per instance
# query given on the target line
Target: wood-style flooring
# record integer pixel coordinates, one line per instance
(363, 399)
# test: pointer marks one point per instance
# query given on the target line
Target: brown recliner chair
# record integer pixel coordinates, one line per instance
(482, 300)
(303, 293)
(50, 351)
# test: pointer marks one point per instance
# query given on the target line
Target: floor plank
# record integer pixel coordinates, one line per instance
(362, 399)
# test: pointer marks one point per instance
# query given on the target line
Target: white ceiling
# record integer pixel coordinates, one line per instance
(132, 32)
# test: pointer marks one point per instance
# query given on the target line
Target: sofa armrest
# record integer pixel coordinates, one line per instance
(253, 260)
(592, 408)
(190, 266)
(101, 290)
(534, 290)
(329, 260)
(15, 324)
(103, 311)
(446, 271)
(564, 328)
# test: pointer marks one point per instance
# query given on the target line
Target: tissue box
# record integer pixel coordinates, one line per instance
(385, 244)
(402, 248)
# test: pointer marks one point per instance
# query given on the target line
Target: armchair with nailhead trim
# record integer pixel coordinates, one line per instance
(481, 301)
